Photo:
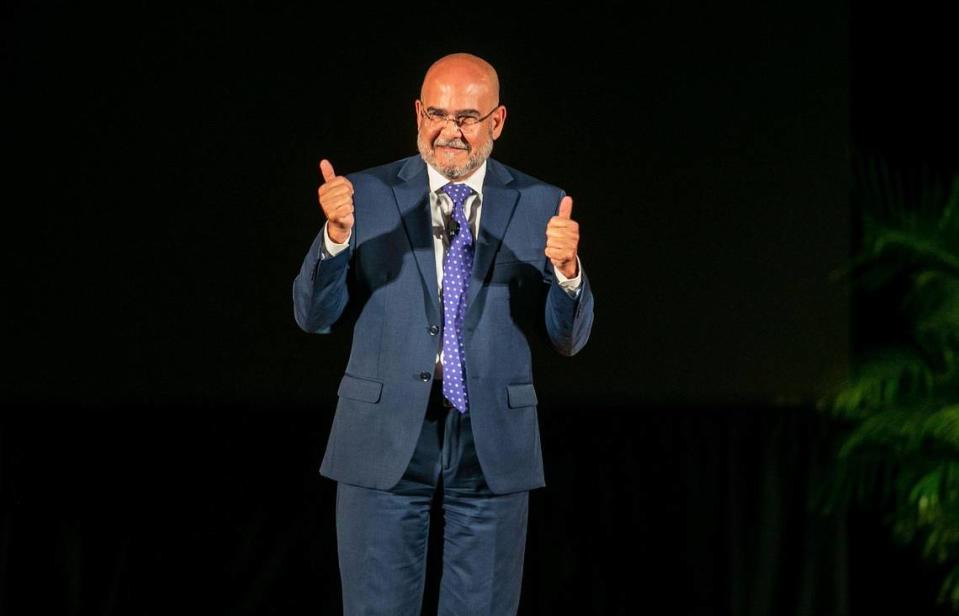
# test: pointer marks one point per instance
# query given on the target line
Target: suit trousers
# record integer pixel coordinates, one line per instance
(382, 535)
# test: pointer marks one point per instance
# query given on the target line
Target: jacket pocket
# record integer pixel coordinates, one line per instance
(522, 394)
(363, 390)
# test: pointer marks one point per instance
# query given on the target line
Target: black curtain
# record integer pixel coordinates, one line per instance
(682, 510)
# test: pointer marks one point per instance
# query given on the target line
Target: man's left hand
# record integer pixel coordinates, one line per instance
(562, 239)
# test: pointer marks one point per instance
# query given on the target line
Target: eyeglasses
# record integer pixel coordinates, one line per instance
(435, 117)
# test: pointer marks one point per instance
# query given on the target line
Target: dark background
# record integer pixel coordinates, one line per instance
(172, 158)
(164, 417)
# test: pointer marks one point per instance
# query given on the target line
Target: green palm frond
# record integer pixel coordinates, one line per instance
(886, 379)
(949, 593)
(933, 307)
(943, 426)
(895, 431)
(912, 249)
(901, 403)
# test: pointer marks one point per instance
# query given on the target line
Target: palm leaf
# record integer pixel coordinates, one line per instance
(901, 404)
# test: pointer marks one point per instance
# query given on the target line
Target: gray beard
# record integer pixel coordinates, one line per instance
(474, 161)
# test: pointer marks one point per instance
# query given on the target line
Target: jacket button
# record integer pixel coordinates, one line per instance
(424, 376)
(434, 329)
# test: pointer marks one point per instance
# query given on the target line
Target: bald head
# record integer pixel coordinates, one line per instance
(464, 72)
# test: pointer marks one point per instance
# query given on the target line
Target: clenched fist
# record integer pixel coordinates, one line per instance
(336, 200)
(562, 239)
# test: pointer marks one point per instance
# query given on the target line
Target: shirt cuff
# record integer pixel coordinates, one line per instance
(573, 285)
(331, 248)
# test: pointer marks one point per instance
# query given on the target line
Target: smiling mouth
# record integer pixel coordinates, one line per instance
(452, 145)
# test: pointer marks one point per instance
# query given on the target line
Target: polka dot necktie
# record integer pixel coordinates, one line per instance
(457, 267)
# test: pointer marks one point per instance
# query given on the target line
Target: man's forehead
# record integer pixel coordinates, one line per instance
(457, 96)
(458, 87)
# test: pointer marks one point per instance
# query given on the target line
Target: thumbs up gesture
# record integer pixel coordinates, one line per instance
(336, 201)
(562, 239)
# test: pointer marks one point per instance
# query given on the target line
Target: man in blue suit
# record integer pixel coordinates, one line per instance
(446, 264)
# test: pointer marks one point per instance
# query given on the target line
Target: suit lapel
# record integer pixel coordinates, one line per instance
(411, 193)
(499, 201)
(412, 200)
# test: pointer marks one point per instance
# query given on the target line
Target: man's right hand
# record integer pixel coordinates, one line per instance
(336, 200)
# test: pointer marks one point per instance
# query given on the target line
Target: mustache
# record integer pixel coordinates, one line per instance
(451, 143)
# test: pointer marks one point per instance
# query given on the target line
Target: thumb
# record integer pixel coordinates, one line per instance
(565, 207)
(327, 170)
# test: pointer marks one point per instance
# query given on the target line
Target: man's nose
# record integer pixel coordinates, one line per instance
(450, 130)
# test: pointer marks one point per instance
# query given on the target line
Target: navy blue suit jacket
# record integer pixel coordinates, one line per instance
(386, 282)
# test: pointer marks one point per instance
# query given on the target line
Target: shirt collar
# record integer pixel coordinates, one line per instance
(475, 181)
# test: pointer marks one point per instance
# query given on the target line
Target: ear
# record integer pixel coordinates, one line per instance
(418, 109)
(497, 120)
